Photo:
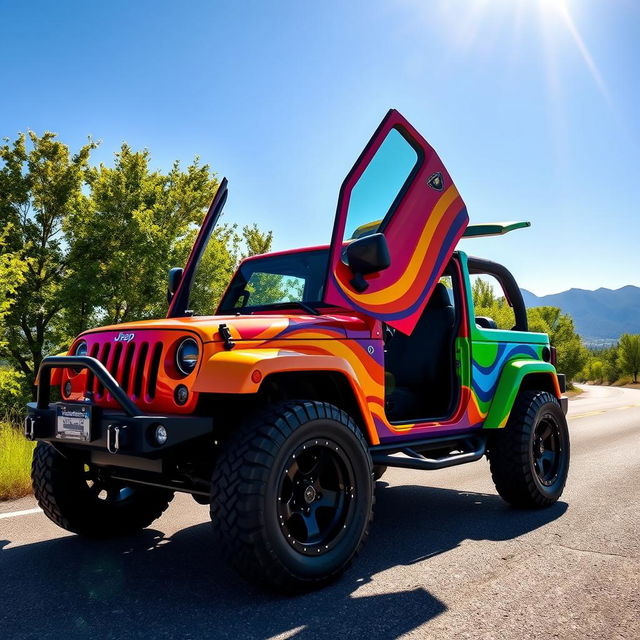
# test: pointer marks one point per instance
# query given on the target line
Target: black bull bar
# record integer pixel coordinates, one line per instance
(128, 431)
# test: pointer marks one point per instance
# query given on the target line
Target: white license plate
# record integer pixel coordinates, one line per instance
(73, 422)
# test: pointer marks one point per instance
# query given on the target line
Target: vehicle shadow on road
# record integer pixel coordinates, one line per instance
(180, 587)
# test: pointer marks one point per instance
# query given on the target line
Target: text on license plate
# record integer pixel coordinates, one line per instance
(73, 422)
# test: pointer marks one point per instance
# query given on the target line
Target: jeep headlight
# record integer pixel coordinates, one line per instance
(81, 349)
(187, 355)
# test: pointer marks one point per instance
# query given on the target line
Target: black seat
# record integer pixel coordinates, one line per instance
(420, 380)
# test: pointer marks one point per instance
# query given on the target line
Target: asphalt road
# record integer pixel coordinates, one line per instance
(446, 559)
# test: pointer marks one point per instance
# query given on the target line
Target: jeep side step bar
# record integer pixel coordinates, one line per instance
(446, 452)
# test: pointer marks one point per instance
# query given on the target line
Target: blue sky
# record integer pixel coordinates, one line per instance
(532, 104)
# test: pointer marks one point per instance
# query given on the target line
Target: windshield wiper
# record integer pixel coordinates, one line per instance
(303, 305)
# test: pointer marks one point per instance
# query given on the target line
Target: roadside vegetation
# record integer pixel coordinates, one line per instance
(15, 462)
(617, 365)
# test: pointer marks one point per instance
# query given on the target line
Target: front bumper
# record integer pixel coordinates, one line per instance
(130, 432)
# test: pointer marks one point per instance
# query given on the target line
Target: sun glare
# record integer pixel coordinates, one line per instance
(477, 22)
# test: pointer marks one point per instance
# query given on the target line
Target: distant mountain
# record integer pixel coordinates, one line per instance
(600, 316)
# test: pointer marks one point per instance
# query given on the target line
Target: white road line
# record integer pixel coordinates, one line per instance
(26, 512)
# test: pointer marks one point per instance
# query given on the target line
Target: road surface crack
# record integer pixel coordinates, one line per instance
(599, 553)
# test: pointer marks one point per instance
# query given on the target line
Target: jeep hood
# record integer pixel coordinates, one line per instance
(255, 327)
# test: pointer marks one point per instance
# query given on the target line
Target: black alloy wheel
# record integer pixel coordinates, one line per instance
(292, 495)
(529, 458)
(547, 450)
(315, 497)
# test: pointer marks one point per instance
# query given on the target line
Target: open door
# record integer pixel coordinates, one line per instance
(180, 301)
(399, 188)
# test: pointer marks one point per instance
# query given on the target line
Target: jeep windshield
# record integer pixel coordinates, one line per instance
(277, 282)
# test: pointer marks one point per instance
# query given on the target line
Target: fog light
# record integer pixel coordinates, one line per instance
(161, 434)
(181, 394)
(67, 388)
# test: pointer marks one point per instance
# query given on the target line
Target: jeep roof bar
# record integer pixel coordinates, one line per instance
(487, 229)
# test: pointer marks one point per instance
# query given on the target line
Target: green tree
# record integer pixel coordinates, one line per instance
(610, 364)
(40, 187)
(572, 355)
(12, 276)
(629, 355)
(135, 225)
(482, 293)
(257, 241)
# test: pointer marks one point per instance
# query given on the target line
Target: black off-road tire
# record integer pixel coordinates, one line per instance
(515, 453)
(68, 492)
(250, 480)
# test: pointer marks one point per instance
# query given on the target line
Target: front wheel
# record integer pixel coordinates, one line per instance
(79, 498)
(292, 495)
(529, 458)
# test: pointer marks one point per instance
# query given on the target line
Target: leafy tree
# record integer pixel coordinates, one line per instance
(12, 276)
(482, 293)
(610, 364)
(257, 241)
(629, 355)
(572, 355)
(40, 187)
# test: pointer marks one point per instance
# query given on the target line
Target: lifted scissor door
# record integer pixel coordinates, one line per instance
(180, 300)
(399, 188)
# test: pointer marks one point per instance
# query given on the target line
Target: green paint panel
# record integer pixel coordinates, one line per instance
(493, 229)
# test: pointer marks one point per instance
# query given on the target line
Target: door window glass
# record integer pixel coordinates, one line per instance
(378, 187)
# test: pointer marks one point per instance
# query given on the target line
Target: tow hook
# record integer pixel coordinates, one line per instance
(30, 427)
(113, 438)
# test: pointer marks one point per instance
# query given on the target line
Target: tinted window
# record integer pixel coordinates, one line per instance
(379, 185)
(277, 280)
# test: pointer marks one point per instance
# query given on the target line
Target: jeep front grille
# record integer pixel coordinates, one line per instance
(130, 365)
(139, 366)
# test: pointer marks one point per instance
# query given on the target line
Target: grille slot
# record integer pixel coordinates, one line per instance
(139, 368)
(90, 377)
(152, 377)
(126, 367)
(104, 357)
(113, 362)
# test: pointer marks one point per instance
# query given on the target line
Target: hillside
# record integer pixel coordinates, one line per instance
(601, 315)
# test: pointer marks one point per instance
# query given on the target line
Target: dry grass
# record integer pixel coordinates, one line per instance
(15, 462)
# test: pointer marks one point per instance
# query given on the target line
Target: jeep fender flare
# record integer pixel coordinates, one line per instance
(511, 380)
(234, 372)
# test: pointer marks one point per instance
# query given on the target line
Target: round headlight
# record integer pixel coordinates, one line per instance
(187, 356)
(81, 348)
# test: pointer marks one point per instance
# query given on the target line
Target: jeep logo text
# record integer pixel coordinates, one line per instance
(124, 337)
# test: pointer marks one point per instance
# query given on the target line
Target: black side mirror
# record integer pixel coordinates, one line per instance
(367, 255)
(175, 276)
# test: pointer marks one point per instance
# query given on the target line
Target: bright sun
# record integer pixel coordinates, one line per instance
(476, 22)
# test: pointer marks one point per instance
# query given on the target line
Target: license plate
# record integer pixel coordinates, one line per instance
(73, 422)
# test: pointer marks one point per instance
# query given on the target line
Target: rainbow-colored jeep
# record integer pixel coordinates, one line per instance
(320, 368)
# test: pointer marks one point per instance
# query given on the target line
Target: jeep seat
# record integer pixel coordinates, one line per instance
(421, 364)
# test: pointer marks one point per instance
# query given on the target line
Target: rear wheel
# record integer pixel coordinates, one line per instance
(292, 495)
(529, 458)
(79, 498)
